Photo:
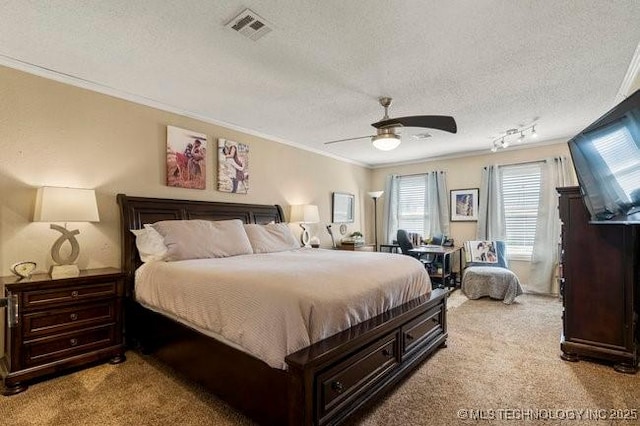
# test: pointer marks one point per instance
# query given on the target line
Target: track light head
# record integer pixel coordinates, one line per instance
(508, 136)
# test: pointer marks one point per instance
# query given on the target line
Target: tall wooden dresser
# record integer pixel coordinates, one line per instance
(600, 286)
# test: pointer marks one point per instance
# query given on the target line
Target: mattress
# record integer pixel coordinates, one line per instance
(273, 304)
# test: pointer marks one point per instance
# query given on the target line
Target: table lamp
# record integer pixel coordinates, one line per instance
(305, 213)
(65, 205)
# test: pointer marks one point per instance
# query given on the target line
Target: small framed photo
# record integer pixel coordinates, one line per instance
(464, 205)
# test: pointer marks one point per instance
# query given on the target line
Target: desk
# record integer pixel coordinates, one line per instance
(390, 248)
(444, 275)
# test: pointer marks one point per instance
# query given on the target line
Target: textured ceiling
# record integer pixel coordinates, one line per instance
(492, 64)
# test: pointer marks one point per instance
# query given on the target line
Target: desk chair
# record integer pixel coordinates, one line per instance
(486, 272)
(429, 260)
(406, 246)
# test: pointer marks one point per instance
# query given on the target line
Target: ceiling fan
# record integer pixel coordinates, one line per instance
(387, 137)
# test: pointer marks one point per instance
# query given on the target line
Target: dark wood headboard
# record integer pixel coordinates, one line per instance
(137, 211)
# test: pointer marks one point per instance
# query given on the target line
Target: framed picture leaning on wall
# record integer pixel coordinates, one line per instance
(464, 205)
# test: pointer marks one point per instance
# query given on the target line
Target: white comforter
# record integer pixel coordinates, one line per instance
(274, 304)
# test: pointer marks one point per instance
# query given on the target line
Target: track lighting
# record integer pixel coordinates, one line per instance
(508, 136)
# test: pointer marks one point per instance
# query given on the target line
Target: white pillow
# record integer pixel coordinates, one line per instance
(200, 239)
(150, 244)
(271, 238)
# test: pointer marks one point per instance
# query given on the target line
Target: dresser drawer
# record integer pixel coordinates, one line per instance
(350, 378)
(422, 328)
(47, 349)
(52, 297)
(56, 321)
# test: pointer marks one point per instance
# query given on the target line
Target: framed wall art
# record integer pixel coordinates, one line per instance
(343, 207)
(464, 205)
(186, 158)
(233, 167)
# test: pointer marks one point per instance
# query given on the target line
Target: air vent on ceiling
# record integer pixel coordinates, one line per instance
(421, 136)
(250, 25)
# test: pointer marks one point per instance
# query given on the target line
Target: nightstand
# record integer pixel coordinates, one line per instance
(61, 324)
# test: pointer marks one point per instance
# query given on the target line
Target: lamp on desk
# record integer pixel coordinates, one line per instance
(305, 214)
(375, 195)
(65, 205)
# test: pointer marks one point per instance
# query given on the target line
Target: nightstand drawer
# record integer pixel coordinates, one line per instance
(41, 298)
(66, 345)
(65, 319)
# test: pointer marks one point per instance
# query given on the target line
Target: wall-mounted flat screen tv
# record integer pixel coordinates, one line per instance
(606, 157)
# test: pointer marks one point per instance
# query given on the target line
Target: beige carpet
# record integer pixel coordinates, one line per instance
(498, 357)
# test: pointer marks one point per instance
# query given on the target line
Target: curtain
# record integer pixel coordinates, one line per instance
(490, 206)
(437, 204)
(556, 172)
(390, 210)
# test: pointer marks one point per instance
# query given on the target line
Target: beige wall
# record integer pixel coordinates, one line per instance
(59, 135)
(465, 172)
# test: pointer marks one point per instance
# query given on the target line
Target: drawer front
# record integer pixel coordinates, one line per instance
(66, 319)
(52, 297)
(350, 378)
(66, 345)
(422, 328)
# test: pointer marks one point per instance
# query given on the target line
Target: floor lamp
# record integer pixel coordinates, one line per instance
(375, 195)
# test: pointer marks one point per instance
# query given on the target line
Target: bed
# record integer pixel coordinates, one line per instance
(320, 383)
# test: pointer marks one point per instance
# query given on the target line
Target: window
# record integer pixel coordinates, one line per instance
(521, 198)
(412, 212)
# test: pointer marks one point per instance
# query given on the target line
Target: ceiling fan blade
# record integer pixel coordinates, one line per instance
(348, 139)
(440, 122)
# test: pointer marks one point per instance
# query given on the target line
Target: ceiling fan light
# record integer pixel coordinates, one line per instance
(386, 141)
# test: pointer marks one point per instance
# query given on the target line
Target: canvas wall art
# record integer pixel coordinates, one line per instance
(233, 167)
(186, 158)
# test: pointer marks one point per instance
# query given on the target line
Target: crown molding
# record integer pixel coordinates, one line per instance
(633, 73)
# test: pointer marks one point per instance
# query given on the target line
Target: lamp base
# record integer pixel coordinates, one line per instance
(64, 271)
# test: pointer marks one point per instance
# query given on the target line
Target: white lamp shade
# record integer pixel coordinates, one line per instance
(66, 205)
(375, 194)
(305, 213)
(386, 141)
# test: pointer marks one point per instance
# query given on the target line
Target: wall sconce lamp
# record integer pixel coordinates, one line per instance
(65, 205)
(305, 213)
(505, 139)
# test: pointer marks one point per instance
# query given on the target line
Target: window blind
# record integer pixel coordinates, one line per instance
(521, 198)
(412, 215)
